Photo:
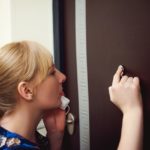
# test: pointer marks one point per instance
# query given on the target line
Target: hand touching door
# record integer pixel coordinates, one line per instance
(125, 94)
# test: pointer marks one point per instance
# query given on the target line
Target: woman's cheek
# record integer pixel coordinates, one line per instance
(49, 103)
(52, 99)
(49, 95)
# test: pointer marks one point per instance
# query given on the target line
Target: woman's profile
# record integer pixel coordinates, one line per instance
(29, 86)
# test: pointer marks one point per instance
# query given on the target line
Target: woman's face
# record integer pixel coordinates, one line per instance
(49, 92)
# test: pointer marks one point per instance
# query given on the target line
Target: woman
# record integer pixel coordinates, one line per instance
(31, 88)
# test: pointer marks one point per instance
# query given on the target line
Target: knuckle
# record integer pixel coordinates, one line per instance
(125, 76)
(136, 78)
(114, 89)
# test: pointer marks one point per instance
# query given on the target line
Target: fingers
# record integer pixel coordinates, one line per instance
(118, 78)
(117, 75)
(124, 79)
(129, 81)
(136, 81)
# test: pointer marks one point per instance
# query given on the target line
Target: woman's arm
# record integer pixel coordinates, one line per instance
(125, 94)
(132, 131)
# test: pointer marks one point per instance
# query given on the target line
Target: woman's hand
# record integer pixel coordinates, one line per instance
(54, 121)
(125, 91)
(125, 94)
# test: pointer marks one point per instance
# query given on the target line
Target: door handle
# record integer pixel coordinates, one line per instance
(70, 120)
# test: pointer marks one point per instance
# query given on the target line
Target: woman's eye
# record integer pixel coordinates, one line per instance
(52, 73)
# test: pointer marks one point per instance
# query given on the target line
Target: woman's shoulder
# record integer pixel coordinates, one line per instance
(10, 140)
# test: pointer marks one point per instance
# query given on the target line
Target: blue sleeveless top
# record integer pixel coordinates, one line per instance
(12, 141)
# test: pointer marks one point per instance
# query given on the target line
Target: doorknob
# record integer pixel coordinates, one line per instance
(70, 123)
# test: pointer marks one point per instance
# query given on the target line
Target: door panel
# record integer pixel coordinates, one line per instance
(118, 32)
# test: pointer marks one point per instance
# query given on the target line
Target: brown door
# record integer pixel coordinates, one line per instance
(118, 32)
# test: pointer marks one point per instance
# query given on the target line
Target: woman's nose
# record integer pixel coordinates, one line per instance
(61, 77)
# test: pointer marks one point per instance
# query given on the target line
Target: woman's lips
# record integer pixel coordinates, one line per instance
(62, 93)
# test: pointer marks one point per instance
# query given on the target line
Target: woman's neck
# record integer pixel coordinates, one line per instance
(22, 121)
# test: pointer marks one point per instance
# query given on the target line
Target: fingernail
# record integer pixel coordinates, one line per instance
(121, 67)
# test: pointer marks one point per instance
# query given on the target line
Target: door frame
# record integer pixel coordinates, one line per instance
(61, 59)
(58, 33)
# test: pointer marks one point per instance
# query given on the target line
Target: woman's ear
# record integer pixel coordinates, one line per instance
(25, 90)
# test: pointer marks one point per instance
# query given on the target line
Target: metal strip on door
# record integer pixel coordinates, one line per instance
(82, 75)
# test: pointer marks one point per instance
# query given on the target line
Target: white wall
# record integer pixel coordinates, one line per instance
(26, 20)
(32, 20)
(5, 22)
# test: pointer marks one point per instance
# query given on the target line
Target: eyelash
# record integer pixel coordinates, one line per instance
(52, 73)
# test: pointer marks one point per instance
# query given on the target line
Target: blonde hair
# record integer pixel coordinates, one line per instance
(20, 61)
